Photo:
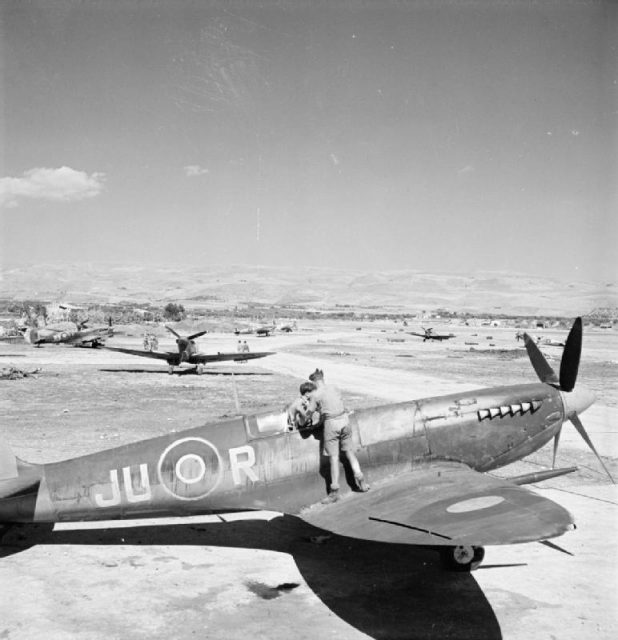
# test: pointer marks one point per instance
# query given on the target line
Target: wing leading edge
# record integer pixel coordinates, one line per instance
(157, 355)
(444, 503)
(220, 357)
(197, 358)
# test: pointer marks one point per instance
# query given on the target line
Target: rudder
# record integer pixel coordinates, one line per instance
(8, 463)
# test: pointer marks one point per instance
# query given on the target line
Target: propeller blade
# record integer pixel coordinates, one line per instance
(197, 335)
(540, 365)
(570, 358)
(582, 432)
(172, 331)
(556, 442)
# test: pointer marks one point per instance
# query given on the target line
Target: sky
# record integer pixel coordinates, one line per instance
(442, 136)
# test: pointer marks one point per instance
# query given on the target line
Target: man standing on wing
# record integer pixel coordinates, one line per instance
(327, 401)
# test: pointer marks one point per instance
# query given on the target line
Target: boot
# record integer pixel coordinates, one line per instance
(333, 496)
(361, 484)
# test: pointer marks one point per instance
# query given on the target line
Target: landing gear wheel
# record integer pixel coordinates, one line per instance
(463, 557)
(170, 369)
(200, 369)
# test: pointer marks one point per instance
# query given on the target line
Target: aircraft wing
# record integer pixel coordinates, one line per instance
(203, 358)
(414, 333)
(443, 503)
(86, 339)
(157, 355)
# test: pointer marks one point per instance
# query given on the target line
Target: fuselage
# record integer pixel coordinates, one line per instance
(186, 350)
(38, 337)
(259, 462)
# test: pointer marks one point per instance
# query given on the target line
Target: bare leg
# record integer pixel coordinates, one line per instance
(334, 472)
(356, 470)
(354, 463)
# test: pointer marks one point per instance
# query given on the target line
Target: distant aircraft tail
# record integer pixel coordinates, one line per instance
(31, 335)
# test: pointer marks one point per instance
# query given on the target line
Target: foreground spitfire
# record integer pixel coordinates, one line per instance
(188, 353)
(425, 460)
(430, 335)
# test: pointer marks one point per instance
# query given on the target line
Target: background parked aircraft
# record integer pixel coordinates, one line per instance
(549, 342)
(430, 335)
(81, 336)
(261, 331)
(188, 353)
(265, 330)
(243, 332)
(546, 342)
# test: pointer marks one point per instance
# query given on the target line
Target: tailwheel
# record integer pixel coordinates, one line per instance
(463, 557)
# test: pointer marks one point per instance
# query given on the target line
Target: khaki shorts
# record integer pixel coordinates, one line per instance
(337, 435)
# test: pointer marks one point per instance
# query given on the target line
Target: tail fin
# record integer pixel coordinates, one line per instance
(8, 463)
(19, 487)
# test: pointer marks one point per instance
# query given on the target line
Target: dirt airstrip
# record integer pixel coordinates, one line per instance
(258, 575)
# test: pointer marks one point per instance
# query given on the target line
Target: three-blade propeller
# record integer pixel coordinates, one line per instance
(574, 401)
(184, 344)
(191, 337)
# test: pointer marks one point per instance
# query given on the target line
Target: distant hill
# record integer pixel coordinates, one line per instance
(310, 288)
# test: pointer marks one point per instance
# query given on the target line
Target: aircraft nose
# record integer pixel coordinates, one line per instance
(577, 401)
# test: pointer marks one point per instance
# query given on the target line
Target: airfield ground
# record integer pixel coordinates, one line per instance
(260, 576)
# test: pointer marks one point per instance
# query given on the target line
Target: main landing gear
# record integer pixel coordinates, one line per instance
(170, 369)
(462, 557)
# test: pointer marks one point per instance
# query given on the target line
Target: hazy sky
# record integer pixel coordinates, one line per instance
(442, 135)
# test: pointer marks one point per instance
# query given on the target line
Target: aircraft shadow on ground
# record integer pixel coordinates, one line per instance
(387, 591)
(190, 372)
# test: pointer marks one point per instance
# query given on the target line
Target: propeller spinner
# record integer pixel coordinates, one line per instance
(575, 401)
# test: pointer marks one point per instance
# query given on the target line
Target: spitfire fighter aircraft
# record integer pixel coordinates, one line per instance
(544, 342)
(188, 353)
(549, 342)
(265, 330)
(430, 335)
(81, 336)
(426, 461)
(243, 332)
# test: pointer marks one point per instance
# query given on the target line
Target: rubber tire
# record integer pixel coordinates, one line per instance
(462, 557)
